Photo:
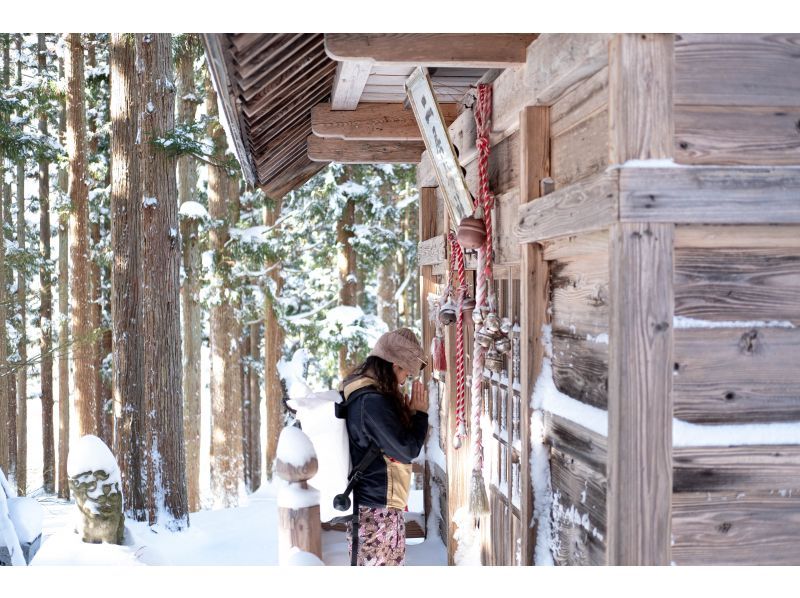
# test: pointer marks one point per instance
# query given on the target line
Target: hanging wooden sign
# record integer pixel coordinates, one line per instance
(457, 197)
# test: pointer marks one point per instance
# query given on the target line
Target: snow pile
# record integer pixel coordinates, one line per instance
(300, 558)
(27, 516)
(294, 447)
(542, 491)
(255, 235)
(149, 202)
(684, 322)
(601, 339)
(91, 454)
(468, 537)
(294, 496)
(328, 434)
(193, 209)
(8, 535)
(292, 373)
(688, 434)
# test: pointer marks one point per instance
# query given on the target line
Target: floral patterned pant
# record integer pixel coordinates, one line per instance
(381, 537)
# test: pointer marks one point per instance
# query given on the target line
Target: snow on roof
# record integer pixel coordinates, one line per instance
(90, 454)
(294, 447)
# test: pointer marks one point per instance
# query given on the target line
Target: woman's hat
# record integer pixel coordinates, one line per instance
(401, 347)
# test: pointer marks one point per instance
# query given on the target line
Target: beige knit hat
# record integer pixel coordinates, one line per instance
(402, 348)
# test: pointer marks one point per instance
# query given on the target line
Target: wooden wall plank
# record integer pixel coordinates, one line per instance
(737, 468)
(364, 152)
(426, 176)
(711, 195)
(579, 511)
(737, 135)
(581, 151)
(737, 375)
(507, 248)
(569, 246)
(580, 369)
(738, 284)
(580, 294)
(573, 439)
(431, 251)
(534, 165)
(770, 236)
(640, 394)
(503, 168)
(735, 528)
(737, 69)
(584, 206)
(640, 97)
(391, 122)
(584, 100)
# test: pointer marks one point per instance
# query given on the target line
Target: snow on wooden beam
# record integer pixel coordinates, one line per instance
(391, 122)
(348, 84)
(491, 50)
(364, 152)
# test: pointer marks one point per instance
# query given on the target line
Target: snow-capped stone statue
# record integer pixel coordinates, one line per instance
(95, 482)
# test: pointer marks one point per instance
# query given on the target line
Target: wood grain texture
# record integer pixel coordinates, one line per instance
(770, 236)
(503, 167)
(534, 151)
(491, 50)
(640, 70)
(580, 369)
(736, 528)
(639, 394)
(710, 195)
(507, 249)
(737, 69)
(737, 375)
(431, 251)
(584, 100)
(426, 175)
(580, 295)
(392, 122)
(573, 439)
(736, 468)
(738, 284)
(569, 246)
(579, 511)
(557, 62)
(363, 152)
(584, 206)
(737, 135)
(581, 151)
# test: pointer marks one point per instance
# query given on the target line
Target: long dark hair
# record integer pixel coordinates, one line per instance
(382, 373)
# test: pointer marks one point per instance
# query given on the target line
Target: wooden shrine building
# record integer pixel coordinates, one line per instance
(647, 251)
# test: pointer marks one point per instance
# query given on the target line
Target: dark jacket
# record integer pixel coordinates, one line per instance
(372, 417)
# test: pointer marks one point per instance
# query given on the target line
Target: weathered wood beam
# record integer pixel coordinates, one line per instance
(713, 195)
(585, 206)
(364, 152)
(218, 70)
(534, 160)
(431, 251)
(391, 122)
(291, 179)
(489, 50)
(348, 84)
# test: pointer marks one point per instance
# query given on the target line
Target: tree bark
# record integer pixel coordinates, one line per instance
(5, 374)
(160, 253)
(95, 274)
(126, 304)
(226, 448)
(273, 351)
(191, 311)
(80, 282)
(45, 299)
(63, 310)
(255, 408)
(246, 438)
(348, 284)
(22, 343)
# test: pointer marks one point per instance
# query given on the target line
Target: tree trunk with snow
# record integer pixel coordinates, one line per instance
(160, 261)
(5, 397)
(45, 299)
(245, 377)
(191, 310)
(226, 422)
(255, 408)
(273, 351)
(22, 341)
(126, 304)
(80, 261)
(95, 275)
(63, 309)
(348, 284)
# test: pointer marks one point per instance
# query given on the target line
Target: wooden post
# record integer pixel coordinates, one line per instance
(534, 126)
(300, 527)
(642, 304)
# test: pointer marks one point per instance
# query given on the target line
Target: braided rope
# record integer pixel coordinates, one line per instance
(457, 263)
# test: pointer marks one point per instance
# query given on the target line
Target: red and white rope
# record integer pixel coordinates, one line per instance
(457, 264)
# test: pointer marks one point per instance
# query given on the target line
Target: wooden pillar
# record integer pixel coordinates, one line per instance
(534, 128)
(642, 304)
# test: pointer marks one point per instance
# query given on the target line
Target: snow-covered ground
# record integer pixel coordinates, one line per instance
(246, 535)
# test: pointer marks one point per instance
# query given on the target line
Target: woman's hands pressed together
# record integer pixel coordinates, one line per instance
(419, 397)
